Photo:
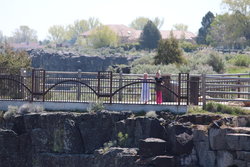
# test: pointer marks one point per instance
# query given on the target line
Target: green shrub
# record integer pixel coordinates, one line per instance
(196, 110)
(12, 111)
(96, 107)
(152, 69)
(188, 46)
(151, 114)
(241, 60)
(122, 139)
(224, 109)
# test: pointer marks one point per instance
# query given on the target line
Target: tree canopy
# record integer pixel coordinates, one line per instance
(140, 22)
(169, 51)
(24, 34)
(243, 6)
(203, 31)
(150, 36)
(180, 27)
(103, 36)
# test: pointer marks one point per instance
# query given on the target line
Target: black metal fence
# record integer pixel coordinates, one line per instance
(54, 86)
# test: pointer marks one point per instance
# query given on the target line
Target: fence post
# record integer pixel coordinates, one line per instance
(168, 96)
(203, 91)
(120, 85)
(23, 74)
(78, 93)
(194, 90)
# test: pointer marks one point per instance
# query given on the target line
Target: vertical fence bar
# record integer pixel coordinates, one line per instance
(110, 90)
(44, 75)
(78, 93)
(120, 85)
(194, 90)
(238, 82)
(203, 91)
(179, 89)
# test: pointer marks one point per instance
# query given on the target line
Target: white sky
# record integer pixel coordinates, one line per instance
(41, 14)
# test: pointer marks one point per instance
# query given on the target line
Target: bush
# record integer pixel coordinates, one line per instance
(12, 110)
(151, 114)
(188, 46)
(217, 62)
(241, 60)
(220, 108)
(96, 107)
(152, 69)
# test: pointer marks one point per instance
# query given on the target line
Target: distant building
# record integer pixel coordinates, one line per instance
(130, 35)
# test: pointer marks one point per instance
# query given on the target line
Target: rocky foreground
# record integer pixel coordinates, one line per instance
(59, 139)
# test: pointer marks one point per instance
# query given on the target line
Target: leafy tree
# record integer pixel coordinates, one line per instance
(203, 31)
(1, 37)
(180, 27)
(93, 23)
(14, 60)
(150, 36)
(243, 6)
(57, 33)
(140, 22)
(80, 26)
(229, 31)
(24, 34)
(169, 51)
(103, 36)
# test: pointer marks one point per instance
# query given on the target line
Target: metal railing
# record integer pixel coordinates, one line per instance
(56, 86)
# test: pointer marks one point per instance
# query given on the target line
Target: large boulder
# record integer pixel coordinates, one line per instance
(152, 147)
(140, 128)
(180, 138)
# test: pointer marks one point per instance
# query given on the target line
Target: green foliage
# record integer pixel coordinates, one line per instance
(230, 31)
(57, 33)
(241, 60)
(12, 111)
(24, 34)
(196, 110)
(96, 107)
(151, 114)
(180, 27)
(103, 36)
(203, 31)
(14, 60)
(216, 61)
(140, 22)
(147, 60)
(152, 69)
(122, 139)
(150, 36)
(239, 5)
(225, 109)
(188, 46)
(169, 52)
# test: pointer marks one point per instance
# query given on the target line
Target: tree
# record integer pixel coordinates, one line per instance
(180, 27)
(103, 36)
(229, 31)
(93, 23)
(14, 60)
(203, 31)
(57, 33)
(243, 6)
(150, 36)
(24, 34)
(169, 51)
(1, 37)
(140, 22)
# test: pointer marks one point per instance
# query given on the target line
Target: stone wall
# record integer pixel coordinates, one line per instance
(65, 139)
(69, 61)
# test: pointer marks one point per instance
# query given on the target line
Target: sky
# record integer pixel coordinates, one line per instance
(42, 14)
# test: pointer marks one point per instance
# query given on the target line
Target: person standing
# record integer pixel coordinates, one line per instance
(158, 87)
(145, 90)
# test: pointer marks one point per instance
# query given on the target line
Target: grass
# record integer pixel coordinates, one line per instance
(237, 69)
(217, 108)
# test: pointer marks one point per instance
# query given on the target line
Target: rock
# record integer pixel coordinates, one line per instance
(241, 121)
(163, 161)
(238, 141)
(180, 138)
(243, 155)
(66, 61)
(152, 147)
(140, 128)
(201, 119)
(224, 159)
(97, 129)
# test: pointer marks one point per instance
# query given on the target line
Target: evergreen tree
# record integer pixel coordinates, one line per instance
(169, 51)
(203, 31)
(150, 36)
